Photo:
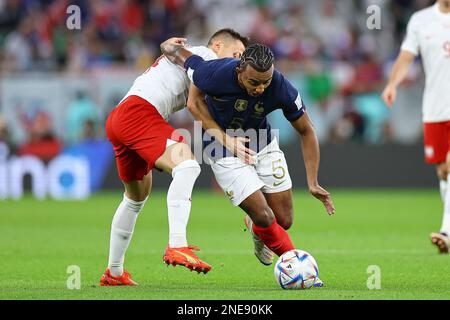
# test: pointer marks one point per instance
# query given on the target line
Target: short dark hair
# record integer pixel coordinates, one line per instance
(228, 33)
(259, 56)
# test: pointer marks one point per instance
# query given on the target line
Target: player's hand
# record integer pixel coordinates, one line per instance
(170, 46)
(237, 146)
(389, 95)
(324, 196)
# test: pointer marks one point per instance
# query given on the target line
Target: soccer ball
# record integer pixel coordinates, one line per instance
(296, 269)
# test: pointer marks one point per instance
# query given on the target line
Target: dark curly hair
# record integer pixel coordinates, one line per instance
(259, 56)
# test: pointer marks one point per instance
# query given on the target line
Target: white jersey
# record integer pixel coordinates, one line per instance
(428, 33)
(166, 85)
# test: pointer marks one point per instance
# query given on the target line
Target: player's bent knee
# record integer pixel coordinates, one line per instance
(179, 153)
(269, 216)
(284, 214)
(286, 221)
(190, 167)
(138, 190)
(138, 197)
(264, 217)
(134, 205)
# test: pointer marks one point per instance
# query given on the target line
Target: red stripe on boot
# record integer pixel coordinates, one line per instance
(275, 238)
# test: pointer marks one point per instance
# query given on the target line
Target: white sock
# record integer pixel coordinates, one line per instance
(446, 220)
(179, 201)
(443, 188)
(122, 228)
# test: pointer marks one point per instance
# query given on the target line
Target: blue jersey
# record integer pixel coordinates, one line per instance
(232, 107)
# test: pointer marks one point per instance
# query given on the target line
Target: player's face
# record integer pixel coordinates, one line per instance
(233, 49)
(253, 81)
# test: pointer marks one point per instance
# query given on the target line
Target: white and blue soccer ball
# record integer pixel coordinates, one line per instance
(296, 269)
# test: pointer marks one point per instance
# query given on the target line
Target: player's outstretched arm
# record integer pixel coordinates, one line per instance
(174, 50)
(197, 106)
(398, 73)
(311, 156)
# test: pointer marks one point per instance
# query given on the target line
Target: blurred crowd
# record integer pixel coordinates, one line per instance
(325, 47)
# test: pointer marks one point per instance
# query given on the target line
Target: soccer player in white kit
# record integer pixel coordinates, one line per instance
(428, 34)
(143, 140)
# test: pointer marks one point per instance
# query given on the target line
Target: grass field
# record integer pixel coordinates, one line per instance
(388, 228)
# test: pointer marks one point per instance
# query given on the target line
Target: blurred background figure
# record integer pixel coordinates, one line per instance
(428, 36)
(41, 141)
(5, 138)
(82, 118)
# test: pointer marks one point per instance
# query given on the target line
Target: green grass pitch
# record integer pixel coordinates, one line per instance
(386, 228)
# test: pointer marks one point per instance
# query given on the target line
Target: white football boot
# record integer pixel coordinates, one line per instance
(262, 252)
(318, 283)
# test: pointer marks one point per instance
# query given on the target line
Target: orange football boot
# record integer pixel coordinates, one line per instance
(124, 280)
(185, 257)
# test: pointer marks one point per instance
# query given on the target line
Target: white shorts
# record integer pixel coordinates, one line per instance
(239, 180)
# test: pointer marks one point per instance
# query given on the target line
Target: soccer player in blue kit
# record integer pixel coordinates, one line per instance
(239, 95)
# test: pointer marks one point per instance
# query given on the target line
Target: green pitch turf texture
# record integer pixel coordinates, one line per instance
(386, 228)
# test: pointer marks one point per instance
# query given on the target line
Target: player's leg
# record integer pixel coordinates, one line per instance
(272, 169)
(137, 179)
(138, 190)
(242, 185)
(124, 221)
(442, 239)
(122, 229)
(265, 225)
(446, 175)
(179, 161)
(437, 150)
(239, 180)
(443, 180)
(281, 205)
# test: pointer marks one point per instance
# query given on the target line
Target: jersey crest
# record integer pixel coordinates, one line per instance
(259, 110)
(241, 105)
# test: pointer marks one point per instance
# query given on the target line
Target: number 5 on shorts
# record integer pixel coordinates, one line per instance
(275, 166)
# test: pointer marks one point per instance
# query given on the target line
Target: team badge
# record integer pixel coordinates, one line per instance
(259, 110)
(241, 105)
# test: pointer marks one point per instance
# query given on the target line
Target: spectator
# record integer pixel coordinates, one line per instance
(5, 139)
(18, 51)
(41, 141)
(89, 132)
(81, 110)
(366, 99)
